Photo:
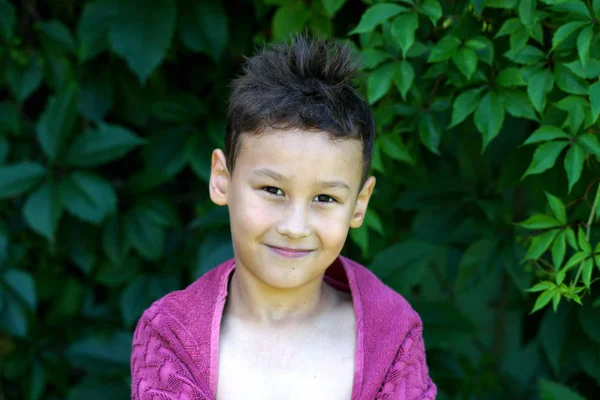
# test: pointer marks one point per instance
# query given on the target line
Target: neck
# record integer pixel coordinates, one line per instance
(252, 301)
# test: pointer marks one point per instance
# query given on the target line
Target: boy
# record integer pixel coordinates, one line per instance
(288, 317)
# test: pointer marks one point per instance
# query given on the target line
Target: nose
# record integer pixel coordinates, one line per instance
(294, 222)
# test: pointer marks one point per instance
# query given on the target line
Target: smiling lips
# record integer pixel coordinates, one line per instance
(289, 252)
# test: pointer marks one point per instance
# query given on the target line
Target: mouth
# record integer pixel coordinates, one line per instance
(289, 252)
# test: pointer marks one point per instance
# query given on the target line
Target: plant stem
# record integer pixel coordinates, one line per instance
(588, 229)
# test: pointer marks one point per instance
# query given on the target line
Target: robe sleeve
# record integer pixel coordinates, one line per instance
(408, 376)
(158, 372)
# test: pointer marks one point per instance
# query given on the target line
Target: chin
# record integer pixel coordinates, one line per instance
(289, 276)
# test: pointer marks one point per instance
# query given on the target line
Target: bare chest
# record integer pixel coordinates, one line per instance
(316, 364)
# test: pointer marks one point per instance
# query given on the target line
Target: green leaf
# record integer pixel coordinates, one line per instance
(595, 100)
(518, 40)
(568, 81)
(469, 271)
(574, 164)
(333, 6)
(403, 29)
(464, 104)
(379, 82)
(404, 76)
(489, 117)
(545, 133)
(373, 221)
(465, 60)
(146, 236)
(404, 262)
(88, 197)
(586, 276)
(203, 27)
(555, 391)
(545, 157)
(377, 14)
(557, 207)
(559, 248)
(102, 145)
(509, 27)
(114, 240)
(517, 104)
(429, 132)
(540, 244)
(575, 118)
(553, 334)
(432, 9)
(57, 121)
(576, 8)
(571, 238)
(10, 121)
(43, 209)
(141, 292)
(590, 71)
(141, 35)
(444, 49)
(97, 94)
(543, 300)
(527, 12)
(289, 20)
(4, 149)
(24, 81)
(528, 55)
(510, 77)
(101, 352)
(583, 243)
(564, 32)
(22, 284)
(538, 86)
(370, 58)
(589, 319)
(540, 221)
(179, 107)
(16, 179)
(393, 146)
(59, 34)
(477, 43)
(98, 387)
(541, 286)
(583, 43)
(590, 143)
(8, 19)
(575, 260)
(93, 27)
(213, 251)
(165, 155)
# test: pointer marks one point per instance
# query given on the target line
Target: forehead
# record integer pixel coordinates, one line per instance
(303, 154)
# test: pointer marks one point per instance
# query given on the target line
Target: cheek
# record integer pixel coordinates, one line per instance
(250, 215)
(333, 227)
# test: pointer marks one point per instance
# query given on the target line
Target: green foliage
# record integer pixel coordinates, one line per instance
(486, 157)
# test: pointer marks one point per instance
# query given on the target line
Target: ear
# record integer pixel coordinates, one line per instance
(219, 178)
(362, 202)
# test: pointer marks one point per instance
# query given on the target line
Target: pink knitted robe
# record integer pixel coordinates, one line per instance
(175, 345)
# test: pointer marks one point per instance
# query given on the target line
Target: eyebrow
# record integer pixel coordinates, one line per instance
(269, 173)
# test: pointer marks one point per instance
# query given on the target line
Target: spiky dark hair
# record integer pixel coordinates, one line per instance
(307, 85)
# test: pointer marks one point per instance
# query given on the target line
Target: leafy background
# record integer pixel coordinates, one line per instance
(486, 157)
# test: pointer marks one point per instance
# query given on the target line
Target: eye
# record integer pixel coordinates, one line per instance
(323, 198)
(272, 190)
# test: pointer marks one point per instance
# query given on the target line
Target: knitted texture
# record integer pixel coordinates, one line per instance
(408, 378)
(176, 341)
(159, 368)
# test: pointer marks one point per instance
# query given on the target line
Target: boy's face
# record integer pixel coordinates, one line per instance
(292, 197)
